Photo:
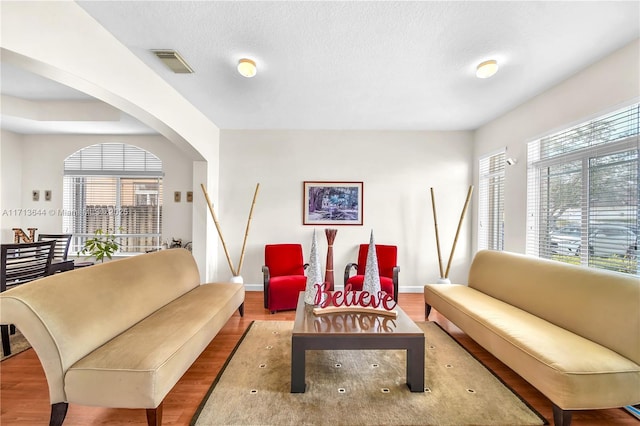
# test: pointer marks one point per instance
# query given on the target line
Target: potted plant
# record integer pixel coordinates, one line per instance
(102, 244)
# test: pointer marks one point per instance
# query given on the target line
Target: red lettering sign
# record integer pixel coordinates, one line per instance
(325, 298)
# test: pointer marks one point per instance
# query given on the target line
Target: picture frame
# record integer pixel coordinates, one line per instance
(332, 203)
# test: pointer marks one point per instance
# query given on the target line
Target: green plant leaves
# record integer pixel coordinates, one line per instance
(103, 243)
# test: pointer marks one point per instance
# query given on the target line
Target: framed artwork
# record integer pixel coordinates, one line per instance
(332, 203)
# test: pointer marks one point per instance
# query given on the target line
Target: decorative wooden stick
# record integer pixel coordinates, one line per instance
(455, 241)
(328, 273)
(215, 220)
(435, 222)
(246, 232)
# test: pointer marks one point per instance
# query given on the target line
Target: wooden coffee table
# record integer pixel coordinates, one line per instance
(351, 331)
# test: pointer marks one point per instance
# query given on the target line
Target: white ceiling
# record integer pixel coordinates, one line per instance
(386, 65)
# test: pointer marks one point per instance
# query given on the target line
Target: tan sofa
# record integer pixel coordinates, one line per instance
(122, 333)
(572, 332)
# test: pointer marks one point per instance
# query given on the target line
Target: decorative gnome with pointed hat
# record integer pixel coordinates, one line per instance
(314, 273)
(371, 273)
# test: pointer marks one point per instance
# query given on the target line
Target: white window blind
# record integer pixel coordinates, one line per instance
(491, 202)
(583, 193)
(116, 188)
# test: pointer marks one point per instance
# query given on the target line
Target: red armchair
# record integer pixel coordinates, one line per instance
(283, 276)
(387, 266)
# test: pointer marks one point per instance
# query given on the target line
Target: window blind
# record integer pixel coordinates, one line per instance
(491, 201)
(583, 192)
(116, 188)
(113, 158)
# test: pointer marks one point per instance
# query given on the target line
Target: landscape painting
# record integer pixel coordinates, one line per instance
(332, 203)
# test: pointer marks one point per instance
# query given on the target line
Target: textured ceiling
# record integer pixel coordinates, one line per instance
(365, 65)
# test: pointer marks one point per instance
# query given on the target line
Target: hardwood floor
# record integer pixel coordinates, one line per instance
(24, 397)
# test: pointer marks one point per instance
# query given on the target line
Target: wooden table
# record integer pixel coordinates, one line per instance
(351, 331)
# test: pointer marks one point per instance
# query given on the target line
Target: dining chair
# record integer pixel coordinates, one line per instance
(61, 248)
(387, 266)
(60, 251)
(22, 263)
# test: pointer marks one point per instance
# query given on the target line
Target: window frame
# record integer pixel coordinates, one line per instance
(118, 167)
(491, 199)
(541, 224)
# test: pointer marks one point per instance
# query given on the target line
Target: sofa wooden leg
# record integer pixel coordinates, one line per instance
(561, 417)
(241, 309)
(58, 413)
(6, 347)
(154, 416)
(427, 310)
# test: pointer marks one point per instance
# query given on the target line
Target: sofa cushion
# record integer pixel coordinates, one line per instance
(66, 316)
(140, 366)
(592, 303)
(562, 365)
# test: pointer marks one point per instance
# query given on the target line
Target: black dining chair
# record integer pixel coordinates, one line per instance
(22, 263)
(61, 248)
(60, 251)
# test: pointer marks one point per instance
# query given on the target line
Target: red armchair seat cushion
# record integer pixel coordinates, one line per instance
(284, 291)
(356, 281)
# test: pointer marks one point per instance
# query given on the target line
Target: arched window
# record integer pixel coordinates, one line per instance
(114, 187)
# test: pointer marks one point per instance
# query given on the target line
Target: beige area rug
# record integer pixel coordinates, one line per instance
(357, 387)
(18, 344)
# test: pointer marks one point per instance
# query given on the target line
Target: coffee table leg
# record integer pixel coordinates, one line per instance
(415, 365)
(297, 366)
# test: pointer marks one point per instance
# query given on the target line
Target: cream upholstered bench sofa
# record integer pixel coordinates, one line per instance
(572, 332)
(122, 333)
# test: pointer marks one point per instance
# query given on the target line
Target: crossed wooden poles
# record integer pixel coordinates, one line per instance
(235, 272)
(246, 233)
(455, 241)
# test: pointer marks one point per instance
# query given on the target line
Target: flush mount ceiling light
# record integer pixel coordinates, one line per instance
(247, 67)
(174, 61)
(487, 68)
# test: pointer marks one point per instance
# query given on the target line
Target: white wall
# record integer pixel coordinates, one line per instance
(397, 169)
(605, 86)
(42, 37)
(36, 162)
(10, 184)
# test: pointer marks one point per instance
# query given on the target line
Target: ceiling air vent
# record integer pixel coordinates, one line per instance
(174, 61)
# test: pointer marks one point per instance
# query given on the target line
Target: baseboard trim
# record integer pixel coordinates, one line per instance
(405, 289)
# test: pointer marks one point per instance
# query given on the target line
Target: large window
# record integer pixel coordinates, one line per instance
(491, 202)
(116, 188)
(583, 193)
